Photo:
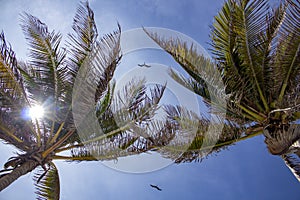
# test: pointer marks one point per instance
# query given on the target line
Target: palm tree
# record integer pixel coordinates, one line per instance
(49, 79)
(257, 53)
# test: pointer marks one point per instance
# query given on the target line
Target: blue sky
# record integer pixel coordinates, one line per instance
(245, 171)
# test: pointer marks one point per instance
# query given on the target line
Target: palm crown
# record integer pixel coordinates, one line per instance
(49, 79)
(257, 53)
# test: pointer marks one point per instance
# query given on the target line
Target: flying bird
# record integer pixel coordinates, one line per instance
(144, 65)
(156, 187)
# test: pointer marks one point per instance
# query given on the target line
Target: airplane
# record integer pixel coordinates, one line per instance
(156, 187)
(144, 65)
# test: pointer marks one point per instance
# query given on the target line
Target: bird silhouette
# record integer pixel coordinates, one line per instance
(156, 187)
(144, 65)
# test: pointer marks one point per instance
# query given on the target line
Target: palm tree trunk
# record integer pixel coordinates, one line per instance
(19, 171)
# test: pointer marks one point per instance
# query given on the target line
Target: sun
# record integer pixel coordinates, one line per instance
(36, 112)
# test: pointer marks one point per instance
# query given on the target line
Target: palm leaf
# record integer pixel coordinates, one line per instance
(244, 39)
(201, 69)
(80, 44)
(249, 23)
(202, 139)
(111, 58)
(84, 46)
(14, 128)
(46, 77)
(266, 49)
(93, 79)
(11, 89)
(126, 126)
(224, 43)
(46, 60)
(137, 103)
(98, 68)
(16, 131)
(196, 65)
(83, 39)
(47, 183)
(130, 108)
(197, 87)
(288, 51)
(205, 80)
(126, 143)
(105, 102)
(293, 164)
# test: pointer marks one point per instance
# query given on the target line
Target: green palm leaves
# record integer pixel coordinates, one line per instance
(250, 42)
(11, 79)
(13, 98)
(72, 83)
(256, 49)
(47, 183)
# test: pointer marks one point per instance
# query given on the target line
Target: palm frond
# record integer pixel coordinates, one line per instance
(191, 84)
(118, 106)
(104, 149)
(84, 46)
(195, 64)
(47, 183)
(16, 131)
(14, 126)
(131, 142)
(130, 107)
(111, 58)
(99, 66)
(46, 60)
(288, 51)
(83, 39)
(186, 125)
(143, 105)
(80, 45)
(46, 77)
(224, 47)
(293, 163)
(266, 49)
(106, 100)
(201, 69)
(11, 82)
(93, 79)
(126, 113)
(243, 39)
(126, 125)
(94, 61)
(249, 21)
(67, 69)
(226, 51)
(204, 136)
(137, 103)
(205, 79)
